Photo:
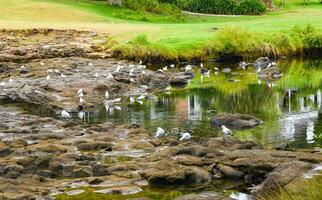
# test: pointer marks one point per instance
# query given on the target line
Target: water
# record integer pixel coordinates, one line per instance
(289, 107)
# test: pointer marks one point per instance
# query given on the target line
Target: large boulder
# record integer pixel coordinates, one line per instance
(235, 121)
(282, 175)
(262, 62)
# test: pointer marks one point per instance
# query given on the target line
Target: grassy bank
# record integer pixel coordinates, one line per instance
(154, 37)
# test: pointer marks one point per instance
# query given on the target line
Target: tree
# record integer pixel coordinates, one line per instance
(115, 2)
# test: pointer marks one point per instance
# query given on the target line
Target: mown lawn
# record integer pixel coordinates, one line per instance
(179, 35)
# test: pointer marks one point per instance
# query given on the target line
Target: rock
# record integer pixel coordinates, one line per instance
(271, 73)
(194, 150)
(100, 170)
(52, 148)
(165, 172)
(282, 175)
(4, 151)
(196, 175)
(74, 192)
(230, 172)
(95, 181)
(262, 62)
(226, 70)
(235, 121)
(95, 145)
(120, 190)
(178, 82)
(203, 196)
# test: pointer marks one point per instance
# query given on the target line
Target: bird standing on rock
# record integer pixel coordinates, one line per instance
(159, 133)
(226, 130)
(185, 136)
(65, 114)
(107, 96)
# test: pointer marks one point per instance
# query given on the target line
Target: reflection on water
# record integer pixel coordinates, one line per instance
(289, 107)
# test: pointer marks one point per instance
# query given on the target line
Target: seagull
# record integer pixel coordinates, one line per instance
(65, 114)
(62, 75)
(185, 136)
(80, 95)
(110, 76)
(201, 65)
(165, 68)
(48, 77)
(188, 67)
(226, 130)
(132, 99)
(107, 106)
(144, 87)
(117, 108)
(49, 71)
(160, 132)
(168, 88)
(42, 63)
(80, 91)
(116, 100)
(90, 64)
(22, 67)
(143, 72)
(107, 95)
(140, 63)
(243, 65)
(140, 102)
(141, 97)
(57, 71)
(81, 100)
(131, 72)
(2, 84)
(172, 66)
(10, 80)
(81, 115)
(96, 74)
(132, 80)
(216, 68)
(118, 69)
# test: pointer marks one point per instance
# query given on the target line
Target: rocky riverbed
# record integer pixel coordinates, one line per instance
(43, 155)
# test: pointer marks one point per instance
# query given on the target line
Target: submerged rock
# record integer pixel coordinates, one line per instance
(235, 121)
(262, 62)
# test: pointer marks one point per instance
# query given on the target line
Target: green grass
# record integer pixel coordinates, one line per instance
(302, 189)
(172, 38)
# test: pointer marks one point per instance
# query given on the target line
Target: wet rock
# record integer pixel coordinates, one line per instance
(235, 121)
(203, 196)
(95, 145)
(165, 172)
(196, 175)
(194, 150)
(95, 181)
(74, 192)
(52, 148)
(4, 151)
(271, 73)
(120, 190)
(226, 70)
(262, 62)
(230, 172)
(75, 171)
(100, 170)
(178, 82)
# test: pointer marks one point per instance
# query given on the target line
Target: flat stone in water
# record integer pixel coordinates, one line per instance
(121, 190)
(74, 192)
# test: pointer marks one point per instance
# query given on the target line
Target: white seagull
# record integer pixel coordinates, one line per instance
(226, 130)
(65, 114)
(110, 76)
(185, 136)
(143, 72)
(188, 67)
(48, 77)
(81, 115)
(144, 87)
(62, 75)
(2, 84)
(80, 91)
(172, 66)
(57, 71)
(165, 68)
(201, 65)
(107, 95)
(42, 63)
(81, 100)
(49, 71)
(10, 80)
(90, 64)
(160, 132)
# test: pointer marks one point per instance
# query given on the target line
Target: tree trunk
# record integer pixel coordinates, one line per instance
(115, 2)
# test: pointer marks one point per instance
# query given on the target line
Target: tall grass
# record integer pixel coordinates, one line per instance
(231, 41)
(309, 189)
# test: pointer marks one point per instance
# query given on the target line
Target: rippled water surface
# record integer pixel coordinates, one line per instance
(289, 107)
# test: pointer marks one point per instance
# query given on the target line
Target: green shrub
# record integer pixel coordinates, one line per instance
(250, 7)
(151, 6)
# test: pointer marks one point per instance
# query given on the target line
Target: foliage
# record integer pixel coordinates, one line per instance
(152, 6)
(250, 7)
